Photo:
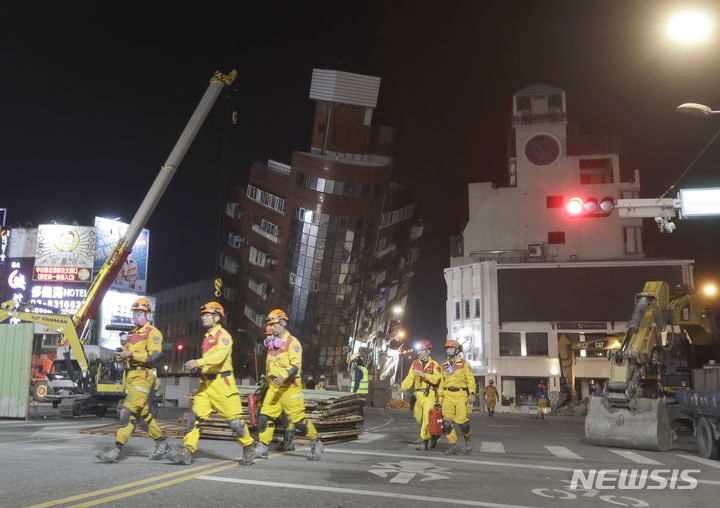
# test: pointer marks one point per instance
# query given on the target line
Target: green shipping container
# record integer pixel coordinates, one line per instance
(15, 363)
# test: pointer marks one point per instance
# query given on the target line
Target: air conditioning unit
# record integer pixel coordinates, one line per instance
(535, 250)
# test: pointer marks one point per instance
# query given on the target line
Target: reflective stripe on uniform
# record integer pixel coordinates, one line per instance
(141, 389)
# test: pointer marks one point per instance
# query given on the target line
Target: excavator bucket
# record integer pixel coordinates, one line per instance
(647, 427)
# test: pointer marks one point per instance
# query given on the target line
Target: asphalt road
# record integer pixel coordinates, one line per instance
(517, 461)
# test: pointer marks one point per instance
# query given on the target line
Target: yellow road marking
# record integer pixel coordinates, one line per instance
(121, 487)
(103, 500)
(198, 471)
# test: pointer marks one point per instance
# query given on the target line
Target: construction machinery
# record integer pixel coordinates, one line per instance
(668, 336)
(95, 384)
(567, 354)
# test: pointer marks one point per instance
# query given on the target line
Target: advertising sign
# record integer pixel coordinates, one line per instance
(49, 297)
(115, 313)
(133, 275)
(64, 253)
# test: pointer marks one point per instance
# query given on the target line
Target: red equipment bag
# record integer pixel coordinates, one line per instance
(252, 404)
(435, 421)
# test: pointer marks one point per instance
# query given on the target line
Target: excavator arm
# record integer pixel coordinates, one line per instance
(645, 372)
(61, 323)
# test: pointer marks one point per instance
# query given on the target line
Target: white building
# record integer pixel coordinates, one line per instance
(526, 270)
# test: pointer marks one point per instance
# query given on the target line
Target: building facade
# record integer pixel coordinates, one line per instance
(177, 316)
(530, 266)
(330, 237)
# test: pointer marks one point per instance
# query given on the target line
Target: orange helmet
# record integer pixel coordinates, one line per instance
(425, 345)
(452, 343)
(491, 382)
(540, 385)
(141, 304)
(275, 316)
(213, 308)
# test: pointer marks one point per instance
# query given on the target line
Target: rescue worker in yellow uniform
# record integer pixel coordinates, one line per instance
(141, 351)
(491, 396)
(321, 383)
(218, 390)
(425, 377)
(288, 442)
(457, 391)
(284, 395)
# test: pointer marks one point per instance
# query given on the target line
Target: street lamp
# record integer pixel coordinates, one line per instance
(689, 27)
(694, 109)
(397, 310)
(710, 289)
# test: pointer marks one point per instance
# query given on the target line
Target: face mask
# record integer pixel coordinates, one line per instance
(139, 319)
(273, 342)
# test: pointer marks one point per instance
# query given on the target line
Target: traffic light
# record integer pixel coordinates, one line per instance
(589, 207)
(180, 347)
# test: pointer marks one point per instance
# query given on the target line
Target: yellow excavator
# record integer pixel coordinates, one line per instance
(98, 385)
(567, 353)
(668, 336)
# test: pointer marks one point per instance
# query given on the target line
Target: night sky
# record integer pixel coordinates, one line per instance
(93, 99)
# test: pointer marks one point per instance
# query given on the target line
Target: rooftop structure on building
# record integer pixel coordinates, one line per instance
(330, 236)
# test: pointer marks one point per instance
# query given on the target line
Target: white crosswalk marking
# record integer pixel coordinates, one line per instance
(563, 453)
(707, 462)
(366, 437)
(636, 457)
(492, 447)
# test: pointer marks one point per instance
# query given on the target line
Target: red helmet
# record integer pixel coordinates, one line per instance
(141, 304)
(452, 343)
(276, 315)
(540, 385)
(424, 345)
(213, 308)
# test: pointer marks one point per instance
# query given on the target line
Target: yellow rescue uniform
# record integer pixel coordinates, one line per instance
(426, 391)
(218, 390)
(142, 342)
(285, 362)
(456, 384)
(491, 394)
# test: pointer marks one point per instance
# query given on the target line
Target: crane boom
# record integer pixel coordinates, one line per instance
(113, 264)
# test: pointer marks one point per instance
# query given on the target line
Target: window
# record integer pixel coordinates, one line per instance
(457, 311)
(257, 257)
(525, 390)
(314, 285)
(633, 240)
(536, 344)
(477, 307)
(555, 237)
(254, 315)
(467, 309)
(270, 228)
(593, 171)
(256, 285)
(509, 344)
(265, 198)
(234, 240)
(554, 201)
(292, 278)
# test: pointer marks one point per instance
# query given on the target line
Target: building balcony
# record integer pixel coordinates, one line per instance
(381, 252)
(259, 230)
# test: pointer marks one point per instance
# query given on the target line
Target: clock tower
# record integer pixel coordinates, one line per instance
(539, 131)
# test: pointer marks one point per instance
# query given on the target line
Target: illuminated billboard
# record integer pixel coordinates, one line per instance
(64, 253)
(44, 297)
(699, 202)
(115, 314)
(133, 275)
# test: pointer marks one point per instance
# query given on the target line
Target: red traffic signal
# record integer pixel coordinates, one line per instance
(590, 207)
(180, 347)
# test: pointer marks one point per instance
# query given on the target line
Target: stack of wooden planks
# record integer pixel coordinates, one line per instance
(334, 415)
